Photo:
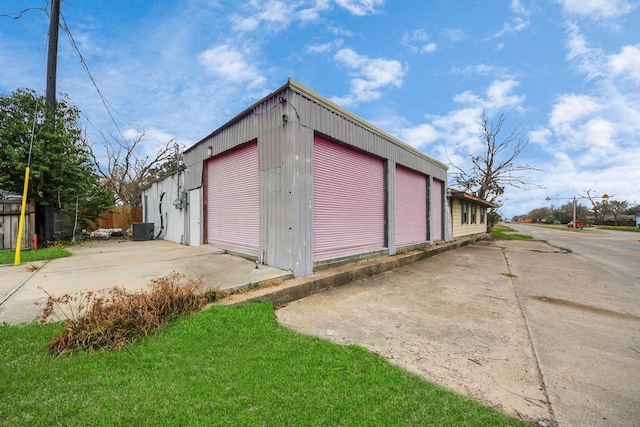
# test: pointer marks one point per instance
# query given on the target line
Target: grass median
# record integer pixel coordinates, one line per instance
(619, 228)
(508, 233)
(221, 366)
(8, 257)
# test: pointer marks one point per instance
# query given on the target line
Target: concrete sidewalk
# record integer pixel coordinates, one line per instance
(522, 326)
(104, 264)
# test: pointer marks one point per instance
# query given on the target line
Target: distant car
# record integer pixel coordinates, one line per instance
(578, 224)
(507, 221)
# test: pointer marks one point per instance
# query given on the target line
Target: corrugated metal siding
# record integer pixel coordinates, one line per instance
(410, 207)
(274, 217)
(286, 166)
(336, 126)
(233, 200)
(348, 200)
(264, 117)
(169, 222)
(299, 165)
(304, 111)
(437, 197)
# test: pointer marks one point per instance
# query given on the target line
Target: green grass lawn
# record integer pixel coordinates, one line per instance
(508, 233)
(223, 366)
(618, 228)
(7, 257)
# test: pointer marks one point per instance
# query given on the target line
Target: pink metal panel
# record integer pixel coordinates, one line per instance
(233, 202)
(437, 210)
(410, 207)
(348, 200)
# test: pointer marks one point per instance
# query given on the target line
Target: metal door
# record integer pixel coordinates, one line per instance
(410, 207)
(233, 200)
(348, 200)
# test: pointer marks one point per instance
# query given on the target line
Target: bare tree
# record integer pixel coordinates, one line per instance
(599, 208)
(126, 171)
(495, 168)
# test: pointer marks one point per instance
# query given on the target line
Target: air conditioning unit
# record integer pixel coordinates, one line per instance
(142, 231)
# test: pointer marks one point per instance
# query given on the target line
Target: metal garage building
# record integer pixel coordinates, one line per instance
(295, 180)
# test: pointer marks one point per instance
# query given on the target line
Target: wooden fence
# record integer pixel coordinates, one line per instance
(10, 222)
(120, 217)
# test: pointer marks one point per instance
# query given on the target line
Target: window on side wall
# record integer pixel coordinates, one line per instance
(464, 213)
(473, 214)
(482, 210)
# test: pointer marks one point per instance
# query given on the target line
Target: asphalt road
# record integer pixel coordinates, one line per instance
(618, 251)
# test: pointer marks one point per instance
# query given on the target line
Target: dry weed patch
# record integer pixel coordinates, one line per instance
(111, 319)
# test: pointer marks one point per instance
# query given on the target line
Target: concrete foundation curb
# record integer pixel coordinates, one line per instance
(298, 288)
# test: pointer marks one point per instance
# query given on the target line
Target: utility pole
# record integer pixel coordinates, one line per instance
(52, 54)
(50, 95)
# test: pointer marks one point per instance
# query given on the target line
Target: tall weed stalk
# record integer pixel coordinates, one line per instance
(113, 318)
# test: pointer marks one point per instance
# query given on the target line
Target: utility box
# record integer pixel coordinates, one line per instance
(142, 231)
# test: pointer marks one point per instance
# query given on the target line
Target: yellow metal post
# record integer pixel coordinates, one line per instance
(16, 260)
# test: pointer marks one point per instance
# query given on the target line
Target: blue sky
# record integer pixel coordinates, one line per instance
(566, 72)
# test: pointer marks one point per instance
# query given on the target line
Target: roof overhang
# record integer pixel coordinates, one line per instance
(461, 195)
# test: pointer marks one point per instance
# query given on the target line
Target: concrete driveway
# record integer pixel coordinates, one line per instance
(522, 326)
(104, 264)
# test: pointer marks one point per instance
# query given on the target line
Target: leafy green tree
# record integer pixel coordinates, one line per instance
(617, 208)
(63, 175)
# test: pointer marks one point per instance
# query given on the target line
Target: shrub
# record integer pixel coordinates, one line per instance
(114, 318)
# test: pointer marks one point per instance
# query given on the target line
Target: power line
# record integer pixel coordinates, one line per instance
(19, 15)
(86, 68)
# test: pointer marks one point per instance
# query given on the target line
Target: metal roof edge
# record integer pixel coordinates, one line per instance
(311, 94)
(239, 116)
(461, 195)
(303, 90)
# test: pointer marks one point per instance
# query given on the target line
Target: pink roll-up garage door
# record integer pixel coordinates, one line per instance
(437, 210)
(233, 200)
(348, 200)
(410, 207)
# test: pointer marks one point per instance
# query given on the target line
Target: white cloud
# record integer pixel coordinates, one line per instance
(313, 13)
(590, 137)
(369, 76)
(596, 8)
(360, 7)
(570, 108)
(325, 47)
(626, 64)
(275, 14)
(420, 136)
(483, 70)
(230, 64)
(418, 41)
(520, 22)
(454, 34)
(590, 60)
(498, 96)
